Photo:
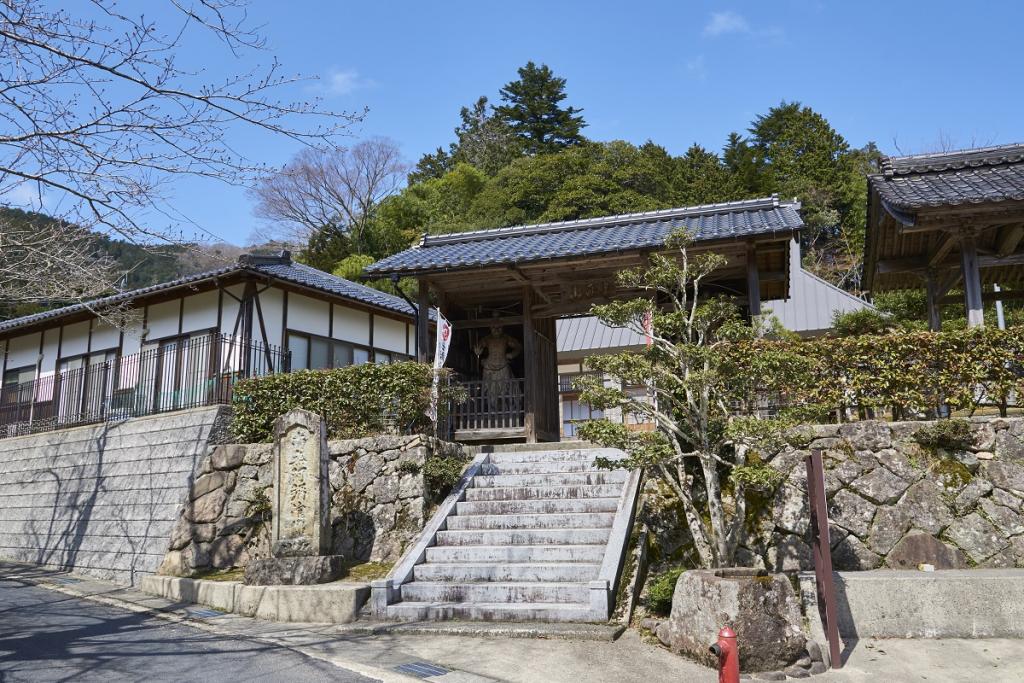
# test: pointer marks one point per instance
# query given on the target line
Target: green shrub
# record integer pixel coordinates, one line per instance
(864, 321)
(442, 472)
(356, 401)
(660, 589)
(951, 435)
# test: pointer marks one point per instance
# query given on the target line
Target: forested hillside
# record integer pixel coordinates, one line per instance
(133, 265)
(526, 159)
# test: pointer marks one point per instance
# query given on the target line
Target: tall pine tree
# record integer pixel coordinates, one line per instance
(532, 109)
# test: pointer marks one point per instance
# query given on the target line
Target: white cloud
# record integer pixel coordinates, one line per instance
(343, 82)
(722, 23)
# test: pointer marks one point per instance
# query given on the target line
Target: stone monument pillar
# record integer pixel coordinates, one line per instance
(300, 533)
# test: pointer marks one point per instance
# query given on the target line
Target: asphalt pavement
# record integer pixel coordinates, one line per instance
(49, 636)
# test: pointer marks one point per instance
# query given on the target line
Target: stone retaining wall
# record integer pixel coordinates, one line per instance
(101, 500)
(380, 502)
(892, 503)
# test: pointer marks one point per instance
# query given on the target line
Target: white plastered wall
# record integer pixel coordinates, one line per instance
(199, 312)
(389, 334)
(351, 325)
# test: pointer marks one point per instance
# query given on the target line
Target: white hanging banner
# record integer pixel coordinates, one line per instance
(444, 340)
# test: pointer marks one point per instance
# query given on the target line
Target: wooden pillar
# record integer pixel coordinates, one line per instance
(530, 383)
(934, 293)
(248, 299)
(972, 280)
(753, 281)
(423, 323)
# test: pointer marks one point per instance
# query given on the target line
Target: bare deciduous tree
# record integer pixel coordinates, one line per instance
(329, 189)
(98, 116)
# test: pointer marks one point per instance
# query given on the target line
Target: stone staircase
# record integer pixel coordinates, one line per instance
(524, 540)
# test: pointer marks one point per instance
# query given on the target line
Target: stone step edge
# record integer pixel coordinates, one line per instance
(489, 629)
(539, 563)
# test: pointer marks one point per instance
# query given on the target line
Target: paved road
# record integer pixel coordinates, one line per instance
(48, 636)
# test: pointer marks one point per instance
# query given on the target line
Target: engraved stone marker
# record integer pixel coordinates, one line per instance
(302, 494)
(300, 532)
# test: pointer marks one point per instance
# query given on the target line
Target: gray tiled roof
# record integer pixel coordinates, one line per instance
(607, 234)
(587, 333)
(295, 273)
(971, 176)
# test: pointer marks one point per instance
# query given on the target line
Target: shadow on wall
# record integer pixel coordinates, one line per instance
(99, 500)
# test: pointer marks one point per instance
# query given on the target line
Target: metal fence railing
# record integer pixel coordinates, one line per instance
(184, 373)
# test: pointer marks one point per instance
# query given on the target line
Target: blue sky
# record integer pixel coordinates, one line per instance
(907, 75)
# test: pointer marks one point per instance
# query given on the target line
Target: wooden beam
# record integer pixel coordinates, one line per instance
(971, 271)
(530, 382)
(987, 297)
(753, 282)
(423, 322)
(933, 296)
(1008, 240)
(487, 322)
(920, 265)
(945, 245)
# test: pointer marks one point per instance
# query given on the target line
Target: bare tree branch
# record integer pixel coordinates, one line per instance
(98, 115)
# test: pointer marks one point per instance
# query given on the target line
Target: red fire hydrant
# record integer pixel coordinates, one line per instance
(728, 656)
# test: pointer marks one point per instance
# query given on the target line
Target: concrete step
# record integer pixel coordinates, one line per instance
(524, 537)
(445, 611)
(567, 479)
(543, 492)
(458, 554)
(516, 572)
(585, 520)
(537, 507)
(536, 455)
(531, 591)
(539, 467)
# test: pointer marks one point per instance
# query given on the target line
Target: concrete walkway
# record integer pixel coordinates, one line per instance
(467, 660)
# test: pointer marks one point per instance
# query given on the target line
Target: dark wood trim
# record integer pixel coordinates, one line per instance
(423, 322)
(220, 307)
(487, 322)
(60, 349)
(530, 384)
(370, 338)
(181, 314)
(284, 320)
(263, 332)
(246, 312)
(330, 320)
(753, 281)
(39, 358)
(972, 280)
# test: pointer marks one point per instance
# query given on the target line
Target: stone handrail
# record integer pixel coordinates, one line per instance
(604, 588)
(385, 591)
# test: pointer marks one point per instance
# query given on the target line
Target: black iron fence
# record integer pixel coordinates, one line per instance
(184, 373)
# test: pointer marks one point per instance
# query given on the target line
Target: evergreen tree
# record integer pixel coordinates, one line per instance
(532, 109)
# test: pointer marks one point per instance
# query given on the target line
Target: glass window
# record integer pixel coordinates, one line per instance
(299, 347)
(318, 353)
(360, 356)
(382, 357)
(342, 354)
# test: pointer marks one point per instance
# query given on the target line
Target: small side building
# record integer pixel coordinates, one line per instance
(183, 343)
(809, 310)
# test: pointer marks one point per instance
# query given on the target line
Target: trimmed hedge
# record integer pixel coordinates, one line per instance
(355, 401)
(907, 372)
